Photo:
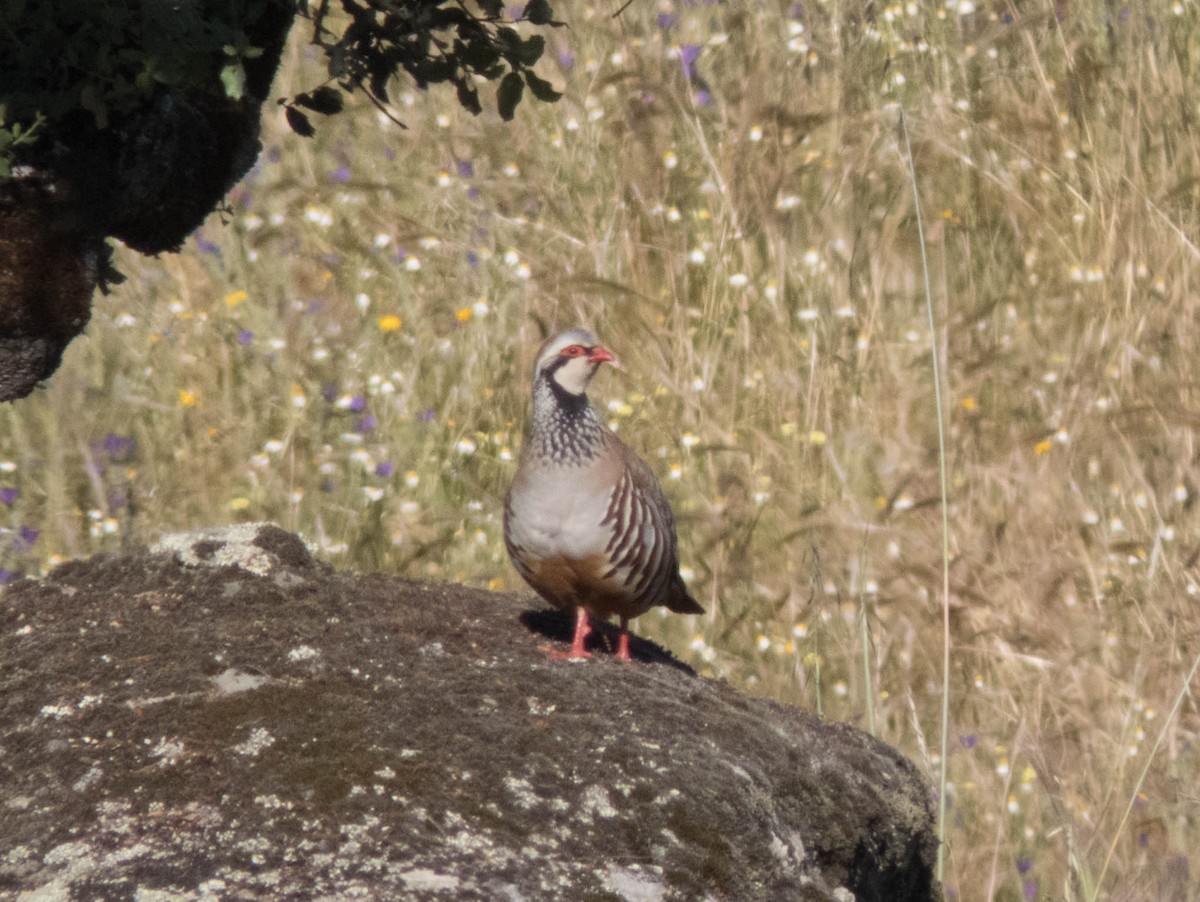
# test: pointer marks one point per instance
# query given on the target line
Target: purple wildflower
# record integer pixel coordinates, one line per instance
(1030, 889)
(27, 536)
(244, 337)
(566, 60)
(204, 246)
(358, 404)
(967, 742)
(9, 576)
(688, 54)
(666, 21)
(384, 469)
(9, 496)
(427, 415)
(465, 168)
(366, 424)
(1024, 864)
(120, 448)
(341, 175)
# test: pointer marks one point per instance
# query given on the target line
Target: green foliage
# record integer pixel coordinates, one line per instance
(106, 58)
(433, 42)
(13, 136)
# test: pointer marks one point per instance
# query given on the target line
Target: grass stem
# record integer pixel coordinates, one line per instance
(942, 486)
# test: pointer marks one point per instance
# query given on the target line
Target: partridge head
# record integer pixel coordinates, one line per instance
(585, 521)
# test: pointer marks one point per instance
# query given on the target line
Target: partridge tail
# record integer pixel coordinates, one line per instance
(680, 600)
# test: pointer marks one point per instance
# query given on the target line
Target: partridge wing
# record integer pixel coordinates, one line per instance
(642, 546)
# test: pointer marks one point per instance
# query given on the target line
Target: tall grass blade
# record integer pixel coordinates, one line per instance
(941, 433)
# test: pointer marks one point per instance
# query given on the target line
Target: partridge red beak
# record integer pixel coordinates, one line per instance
(601, 355)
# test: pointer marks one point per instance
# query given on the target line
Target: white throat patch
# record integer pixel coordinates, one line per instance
(574, 375)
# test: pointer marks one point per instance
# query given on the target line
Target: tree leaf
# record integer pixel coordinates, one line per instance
(540, 88)
(538, 12)
(509, 95)
(508, 41)
(298, 122)
(233, 77)
(468, 97)
(531, 49)
(477, 54)
(324, 100)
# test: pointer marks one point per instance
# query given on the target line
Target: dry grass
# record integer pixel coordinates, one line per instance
(746, 243)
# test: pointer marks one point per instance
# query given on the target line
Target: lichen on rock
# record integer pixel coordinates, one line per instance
(216, 730)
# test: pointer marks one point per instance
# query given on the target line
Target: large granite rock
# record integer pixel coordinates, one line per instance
(226, 717)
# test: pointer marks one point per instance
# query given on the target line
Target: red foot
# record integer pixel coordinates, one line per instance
(558, 654)
(623, 643)
(582, 630)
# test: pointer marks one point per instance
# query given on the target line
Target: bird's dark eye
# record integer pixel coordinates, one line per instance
(573, 351)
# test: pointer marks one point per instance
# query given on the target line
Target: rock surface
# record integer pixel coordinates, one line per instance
(226, 717)
(49, 267)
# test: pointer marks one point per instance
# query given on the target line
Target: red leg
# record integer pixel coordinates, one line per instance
(623, 642)
(582, 630)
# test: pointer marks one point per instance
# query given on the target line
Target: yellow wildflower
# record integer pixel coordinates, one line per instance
(389, 323)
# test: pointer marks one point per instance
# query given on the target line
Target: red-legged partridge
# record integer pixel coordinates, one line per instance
(585, 521)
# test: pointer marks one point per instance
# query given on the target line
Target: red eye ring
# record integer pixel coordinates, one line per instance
(573, 351)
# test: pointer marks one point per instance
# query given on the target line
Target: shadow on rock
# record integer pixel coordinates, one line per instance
(559, 627)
